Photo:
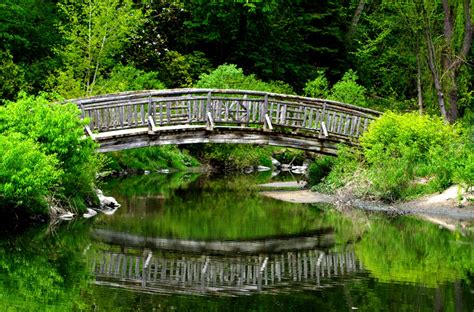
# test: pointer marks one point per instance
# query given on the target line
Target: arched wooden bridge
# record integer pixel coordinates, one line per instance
(185, 116)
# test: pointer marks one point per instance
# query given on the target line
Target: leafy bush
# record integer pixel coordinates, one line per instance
(401, 147)
(58, 131)
(404, 156)
(151, 158)
(12, 78)
(320, 169)
(27, 175)
(317, 88)
(233, 156)
(228, 76)
(347, 90)
(127, 78)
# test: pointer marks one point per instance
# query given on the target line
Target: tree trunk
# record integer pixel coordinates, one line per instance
(355, 19)
(433, 69)
(451, 61)
(419, 89)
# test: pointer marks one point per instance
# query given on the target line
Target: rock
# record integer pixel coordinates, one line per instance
(248, 170)
(146, 172)
(107, 202)
(285, 167)
(299, 169)
(275, 173)
(276, 163)
(90, 213)
(66, 216)
(263, 168)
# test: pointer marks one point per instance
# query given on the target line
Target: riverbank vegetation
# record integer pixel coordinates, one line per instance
(387, 55)
(45, 158)
(401, 156)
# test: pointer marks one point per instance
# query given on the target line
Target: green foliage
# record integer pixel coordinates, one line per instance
(94, 33)
(151, 158)
(228, 76)
(320, 169)
(234, 156)
(12, 79)
(404, 156)
(347, 90)
(58, 131)
(317, 88)
(127, 78)
(343, 170)
(399, 148)
(27, 175)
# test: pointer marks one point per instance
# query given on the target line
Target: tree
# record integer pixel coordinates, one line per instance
(95, 32)
(453, 54)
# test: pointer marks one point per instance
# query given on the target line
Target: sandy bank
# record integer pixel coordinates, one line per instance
(443, 205)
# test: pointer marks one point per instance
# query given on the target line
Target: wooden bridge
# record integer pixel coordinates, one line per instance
(186, 116)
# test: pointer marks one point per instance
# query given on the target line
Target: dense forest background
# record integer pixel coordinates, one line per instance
(399, 55)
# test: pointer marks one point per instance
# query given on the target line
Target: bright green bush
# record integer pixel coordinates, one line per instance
(59, 132)
(411, 154)
(347, 90)
(27, 175)
(228, 76)
(403, 156)
(317, 88)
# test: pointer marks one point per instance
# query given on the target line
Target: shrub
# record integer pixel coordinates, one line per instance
(400, 148)
(403, 156)
(347, 90)
(228, 76)
(58, 131)
(320, 169)
(127, 78)
(318, 88)
(233, 156)
(27, 175)
(151, 158)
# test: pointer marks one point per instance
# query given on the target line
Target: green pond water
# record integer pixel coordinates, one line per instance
(185, 242)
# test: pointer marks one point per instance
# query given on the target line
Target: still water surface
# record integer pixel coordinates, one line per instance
(186, 242)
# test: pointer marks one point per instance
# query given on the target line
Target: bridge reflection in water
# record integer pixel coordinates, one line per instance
(158, 271)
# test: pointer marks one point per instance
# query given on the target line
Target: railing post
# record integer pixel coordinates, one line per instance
(267, 123)
(208, 103)
(265, 106)
(210, 122)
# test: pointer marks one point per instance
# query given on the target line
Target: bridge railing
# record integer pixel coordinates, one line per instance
(188, 107)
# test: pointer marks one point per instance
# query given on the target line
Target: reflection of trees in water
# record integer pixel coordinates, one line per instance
(409, 250)
(40, 270)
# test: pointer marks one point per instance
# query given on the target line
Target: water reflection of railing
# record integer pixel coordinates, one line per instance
(158, 272)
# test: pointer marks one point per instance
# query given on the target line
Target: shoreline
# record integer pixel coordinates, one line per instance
(431, 207)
